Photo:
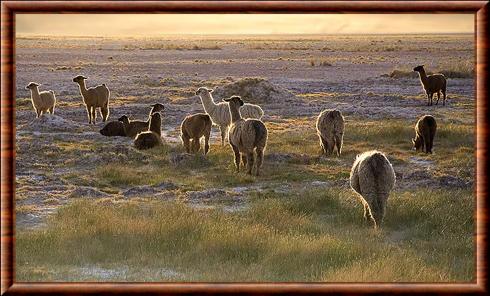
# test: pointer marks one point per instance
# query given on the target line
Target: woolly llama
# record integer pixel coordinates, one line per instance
(330, 130)
(435, 83)
(219, 113)
(93, 98)
(245, 136)
(425, 130)
(192, 129)
(151, 138)
(41, 101)
(373, 177)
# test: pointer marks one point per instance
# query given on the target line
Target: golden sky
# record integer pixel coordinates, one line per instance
(163, 24)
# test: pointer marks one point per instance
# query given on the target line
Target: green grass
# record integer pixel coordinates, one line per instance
(306, 234)
(318, 235)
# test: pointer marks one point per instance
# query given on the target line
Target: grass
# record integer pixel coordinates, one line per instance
(320, 231)
(302, 234)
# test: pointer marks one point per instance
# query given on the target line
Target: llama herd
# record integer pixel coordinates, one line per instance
(372, 175)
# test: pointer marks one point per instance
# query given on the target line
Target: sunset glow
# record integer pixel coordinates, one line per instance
(164, 24)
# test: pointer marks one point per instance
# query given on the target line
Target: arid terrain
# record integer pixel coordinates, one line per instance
(90, 207)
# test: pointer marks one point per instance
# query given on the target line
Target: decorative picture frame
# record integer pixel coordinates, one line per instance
(10, 8)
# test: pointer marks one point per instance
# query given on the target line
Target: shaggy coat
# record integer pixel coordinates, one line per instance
(151, 138)
(41, 101)
(220, 114)
(113, 129)
(435, 83)
(330, 130)
(192, 129)
(425, 130)
(93, 98)
(245, 137)
(373, 177)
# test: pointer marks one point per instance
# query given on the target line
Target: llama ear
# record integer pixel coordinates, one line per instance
(211, 90)
(227, 99)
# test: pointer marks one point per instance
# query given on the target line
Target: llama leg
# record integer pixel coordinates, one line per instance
(250, 162)
(324, 145)
(260, 159)
(444, 97)
(244, 160)
(94, 114)
(185, 142)
(223, 134)
(51, 110)
(431, 96)
(237, 157)
(89, 115)
(438, 97)
(104, 112)
(338, 142)
(206, 144)
(38, 113)
(323, 151)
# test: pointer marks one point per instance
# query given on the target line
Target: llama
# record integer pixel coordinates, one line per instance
(435, 83)
(245, 137)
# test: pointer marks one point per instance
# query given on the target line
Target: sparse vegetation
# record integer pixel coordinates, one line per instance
(92, 208)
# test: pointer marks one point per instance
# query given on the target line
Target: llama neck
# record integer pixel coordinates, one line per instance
(235, 113)
(83, 88)
(156, 126)
(35, 92)
(208, 103)
(423, 76)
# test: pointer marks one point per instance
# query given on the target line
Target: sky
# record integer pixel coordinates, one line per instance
(166, 24)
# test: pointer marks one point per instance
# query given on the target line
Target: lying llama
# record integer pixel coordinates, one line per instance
(133, 127)
(245, 136)
(93, 98)
(194, 127)
(373, 177)
(41, 101)
(151, 138)
(435, 83)
(425, 130)
(219, 113)
(330, 130)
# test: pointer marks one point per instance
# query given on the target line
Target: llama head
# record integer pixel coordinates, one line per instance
(157, 108)
(79, 78)
(234, 100)
(203, 91)
(419, 68)
(417, 143)
(124, 119)
(32, 85)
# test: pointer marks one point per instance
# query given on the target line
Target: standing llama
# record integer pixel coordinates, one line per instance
(330, 130)
(219, 113)
(41, 101)
(435, 83)
(93, 98)
(373, 177)
(425, 130)
(245, 136)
